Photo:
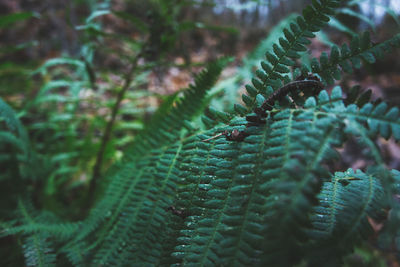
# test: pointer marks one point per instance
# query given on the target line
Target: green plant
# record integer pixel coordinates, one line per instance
(66, 117)
(272, 199)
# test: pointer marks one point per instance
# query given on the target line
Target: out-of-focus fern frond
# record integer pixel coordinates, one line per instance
(341, 220)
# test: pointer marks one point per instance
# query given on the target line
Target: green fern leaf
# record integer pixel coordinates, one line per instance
(290, 47)
(347, 202)
(10, 117)
(127, 200)
(360, 48)
(38, 251)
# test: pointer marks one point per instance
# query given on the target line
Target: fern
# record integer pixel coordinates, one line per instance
(338, 225)
(16, 134)
(275, 68)
(125, 199)
(15, 148)
(38, 250)
(10, 118)
(227, 225)
(360, 49)
(264, 185)
(188, 196)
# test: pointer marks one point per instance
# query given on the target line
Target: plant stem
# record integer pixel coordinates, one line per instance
(107, 133)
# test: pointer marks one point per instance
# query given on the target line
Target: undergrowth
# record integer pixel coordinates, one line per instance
(253, 186)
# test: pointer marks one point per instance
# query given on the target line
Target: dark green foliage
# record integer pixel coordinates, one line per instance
(268, 200)
(338, 226)
(219, 181)
(349, 57)
(275, 69)
(12, 131)
(19, 163)
(112, 211)
(38, 252)
(6, 20)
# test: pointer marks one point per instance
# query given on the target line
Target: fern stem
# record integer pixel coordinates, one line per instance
(107, 133)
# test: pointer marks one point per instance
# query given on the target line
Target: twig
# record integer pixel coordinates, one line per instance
(107, 133)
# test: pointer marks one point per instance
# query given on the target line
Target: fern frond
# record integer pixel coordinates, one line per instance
(38, 251)
(215, 194)
(126, 198)
(76, 253)
(16, 134)
(10, 117)
(275, 68)
(16, 154)
(78, 64)
(144, 205)
(9, 138)
(215, 202)
(347, 203)
(377, 119)
(346, 57)
(253, 59)
(61, 231)
(234, 191)
(365, 124)
(293, 179)
(39, 222)
(230, 195)
(124, 195)
(39, 231)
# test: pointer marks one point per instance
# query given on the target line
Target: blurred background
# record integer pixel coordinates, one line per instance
(192, 31)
